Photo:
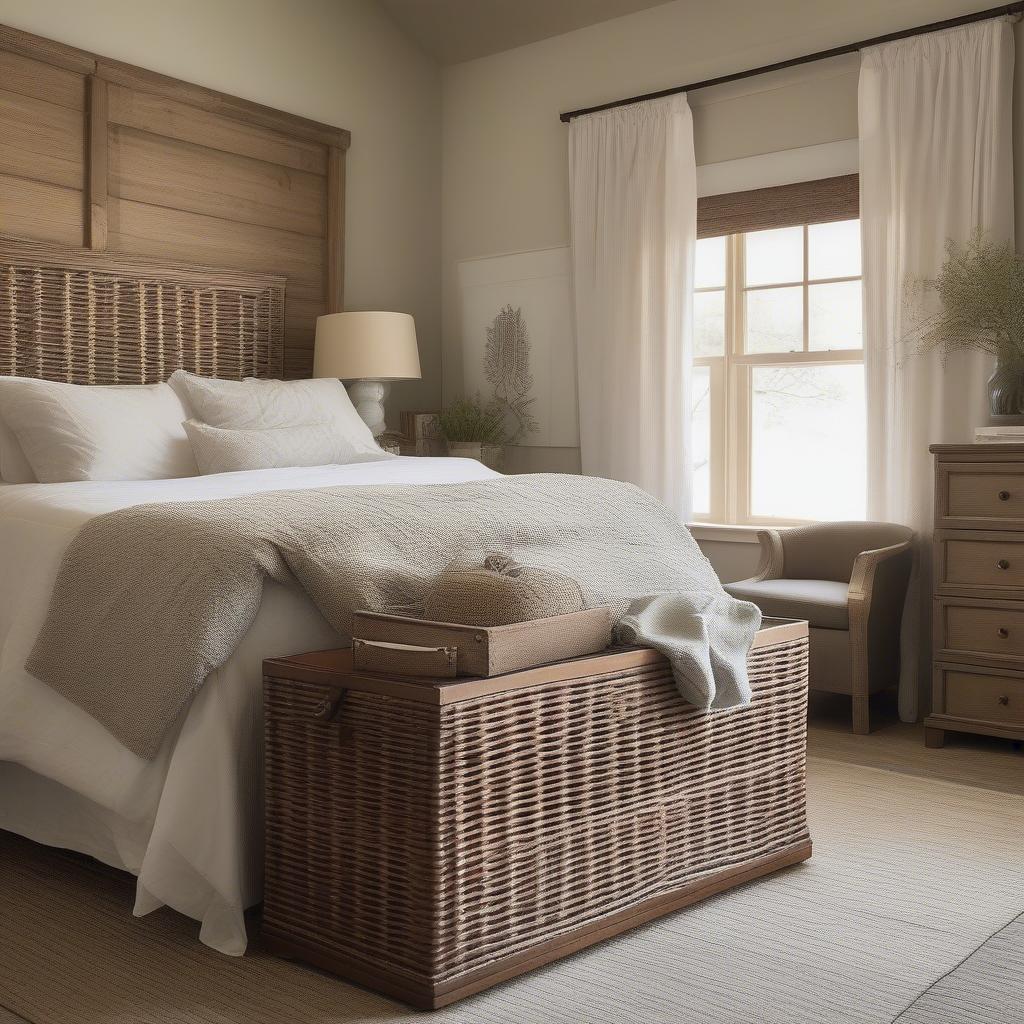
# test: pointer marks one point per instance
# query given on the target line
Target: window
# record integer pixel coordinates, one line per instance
(778, 390)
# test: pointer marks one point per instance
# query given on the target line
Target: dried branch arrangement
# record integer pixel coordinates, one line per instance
(980, 292)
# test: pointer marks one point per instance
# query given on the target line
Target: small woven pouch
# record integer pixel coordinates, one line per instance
(500, 591)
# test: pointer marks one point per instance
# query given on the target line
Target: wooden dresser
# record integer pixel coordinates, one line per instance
(978, 635)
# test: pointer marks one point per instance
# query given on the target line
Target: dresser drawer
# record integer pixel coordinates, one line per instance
(982, 495)
(967, 628)
(982, 697)
(979, 562)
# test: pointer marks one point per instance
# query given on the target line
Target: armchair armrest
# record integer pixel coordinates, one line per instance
(878, 588)
(772, 558)
(866, 565)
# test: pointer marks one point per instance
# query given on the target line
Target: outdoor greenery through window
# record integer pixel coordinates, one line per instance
(778, 417)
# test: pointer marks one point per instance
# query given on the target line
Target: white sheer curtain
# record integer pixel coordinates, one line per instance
(633, 192)
(935, 163)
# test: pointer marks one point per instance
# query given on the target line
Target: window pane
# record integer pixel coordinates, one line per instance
(709, 323)
(701, 440)
(834, 315)
(833, 250)
(775, 257)
(709, 270)
(808, 442)
(775, 320)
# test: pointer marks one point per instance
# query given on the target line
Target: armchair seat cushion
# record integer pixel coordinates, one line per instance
(821, 602)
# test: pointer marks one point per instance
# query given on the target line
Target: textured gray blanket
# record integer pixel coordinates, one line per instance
(151, 599)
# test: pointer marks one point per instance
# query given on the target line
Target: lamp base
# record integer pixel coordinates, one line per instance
(368, 398)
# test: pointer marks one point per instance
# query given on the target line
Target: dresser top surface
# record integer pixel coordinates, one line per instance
(1011, 451)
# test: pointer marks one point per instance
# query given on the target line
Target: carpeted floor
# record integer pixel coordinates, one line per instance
(910, 910)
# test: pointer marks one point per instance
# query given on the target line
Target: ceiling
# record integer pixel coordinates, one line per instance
(458, 30)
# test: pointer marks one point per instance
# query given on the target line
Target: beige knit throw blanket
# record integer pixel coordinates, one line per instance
(150, 599)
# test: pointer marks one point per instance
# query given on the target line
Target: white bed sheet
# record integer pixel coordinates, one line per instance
(187, 823)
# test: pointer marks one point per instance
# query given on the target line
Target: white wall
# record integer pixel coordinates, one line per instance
(342, 62)
(504, 182)
(732, 560)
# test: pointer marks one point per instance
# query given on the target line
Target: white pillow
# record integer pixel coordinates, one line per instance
(218, 450)
(14, 467)
(254, 404)
(78, 432)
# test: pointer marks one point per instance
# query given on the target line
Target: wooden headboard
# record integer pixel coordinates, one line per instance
(89, 317)
(106, 157)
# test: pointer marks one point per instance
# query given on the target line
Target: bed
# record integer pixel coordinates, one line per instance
(182, 808)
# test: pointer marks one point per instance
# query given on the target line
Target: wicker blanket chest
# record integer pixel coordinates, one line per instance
(430, 838)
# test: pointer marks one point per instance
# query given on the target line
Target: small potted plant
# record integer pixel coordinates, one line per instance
(474, 430)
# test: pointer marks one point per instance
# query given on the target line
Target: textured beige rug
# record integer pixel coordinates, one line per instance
(987, 986)
(908, 911)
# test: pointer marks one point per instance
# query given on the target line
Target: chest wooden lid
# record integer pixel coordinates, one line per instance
(333, 668)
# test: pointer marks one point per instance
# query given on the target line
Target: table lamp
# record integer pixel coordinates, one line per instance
(369, 349)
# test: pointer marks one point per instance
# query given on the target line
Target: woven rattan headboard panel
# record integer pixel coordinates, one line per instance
(91, 317)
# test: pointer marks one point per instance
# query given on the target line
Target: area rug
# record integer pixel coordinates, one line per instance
(987, 987)
(890, 920)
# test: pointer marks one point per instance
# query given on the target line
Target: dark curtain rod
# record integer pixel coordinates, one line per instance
(810, 58)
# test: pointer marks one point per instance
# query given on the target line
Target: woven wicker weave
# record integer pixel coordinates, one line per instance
(428, 843)
(87, 317)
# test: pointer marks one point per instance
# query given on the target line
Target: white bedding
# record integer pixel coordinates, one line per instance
(187, 823)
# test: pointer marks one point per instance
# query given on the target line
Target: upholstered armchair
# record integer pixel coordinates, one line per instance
(849, 581)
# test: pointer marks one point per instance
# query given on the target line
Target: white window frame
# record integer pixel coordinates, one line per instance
(731, 391)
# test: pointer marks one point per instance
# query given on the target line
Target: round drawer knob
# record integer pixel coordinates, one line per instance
(1002, 564)
(1002, 632)
(1004, 700)
(1004, 495)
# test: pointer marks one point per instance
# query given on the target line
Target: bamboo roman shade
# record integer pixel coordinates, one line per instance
(805, 202)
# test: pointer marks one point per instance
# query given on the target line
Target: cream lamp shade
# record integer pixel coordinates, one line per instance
(369, 348)
(366, 346)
